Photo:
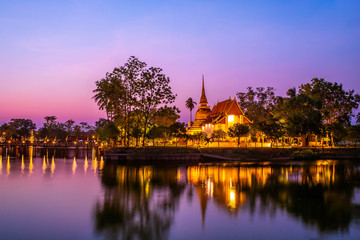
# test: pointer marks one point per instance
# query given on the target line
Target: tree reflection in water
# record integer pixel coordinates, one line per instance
(139, 202)
(320, 195)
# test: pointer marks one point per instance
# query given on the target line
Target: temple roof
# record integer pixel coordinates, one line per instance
(223, 109)
(228, 107)
(203, 99)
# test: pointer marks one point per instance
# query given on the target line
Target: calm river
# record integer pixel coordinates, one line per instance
(73, 194)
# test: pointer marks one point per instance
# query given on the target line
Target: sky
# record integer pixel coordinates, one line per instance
(53, 52)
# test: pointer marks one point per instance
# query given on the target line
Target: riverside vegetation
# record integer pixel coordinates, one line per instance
(138, 101)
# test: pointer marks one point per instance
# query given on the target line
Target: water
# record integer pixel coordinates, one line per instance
(73, 194)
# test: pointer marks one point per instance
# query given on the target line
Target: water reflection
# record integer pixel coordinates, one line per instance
(306, 192)
(142, 201)
(8, 166)
(74, 165)
(139, 202)
(86, 164)
(156, 202)
(22, 159)
(67, 153)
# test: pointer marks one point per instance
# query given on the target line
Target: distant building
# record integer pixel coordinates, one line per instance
(223, 115)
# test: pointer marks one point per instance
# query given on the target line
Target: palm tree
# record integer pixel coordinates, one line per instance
(190, 104)
(107, 95)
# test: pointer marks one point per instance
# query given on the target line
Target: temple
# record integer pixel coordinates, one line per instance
(222, 116)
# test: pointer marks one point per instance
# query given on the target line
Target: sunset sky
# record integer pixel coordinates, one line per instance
(52, 52)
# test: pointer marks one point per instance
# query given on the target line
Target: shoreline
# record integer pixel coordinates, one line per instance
(169, 155)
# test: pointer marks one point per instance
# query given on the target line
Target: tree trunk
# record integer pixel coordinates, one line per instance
(144, 135)
(303, 141)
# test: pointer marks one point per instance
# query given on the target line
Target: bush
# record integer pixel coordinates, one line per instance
(307, 154)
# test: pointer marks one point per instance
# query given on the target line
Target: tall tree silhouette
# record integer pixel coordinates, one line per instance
(190, 104)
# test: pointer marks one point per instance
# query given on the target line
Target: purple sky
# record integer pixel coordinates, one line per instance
(52, 53)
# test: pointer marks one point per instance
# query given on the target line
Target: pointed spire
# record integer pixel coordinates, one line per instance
(203, 100)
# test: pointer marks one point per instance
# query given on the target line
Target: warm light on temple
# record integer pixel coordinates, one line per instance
(231, 118)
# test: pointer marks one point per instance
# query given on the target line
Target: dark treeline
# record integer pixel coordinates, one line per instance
(136, 97)
(318, 109)
(25, 130)
(137, 100)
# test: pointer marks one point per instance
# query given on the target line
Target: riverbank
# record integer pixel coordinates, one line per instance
(181, 155)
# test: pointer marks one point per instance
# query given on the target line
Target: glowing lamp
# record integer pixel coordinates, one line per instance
(231, 118)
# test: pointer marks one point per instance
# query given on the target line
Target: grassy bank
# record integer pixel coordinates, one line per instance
(256, 154)
(290, 153)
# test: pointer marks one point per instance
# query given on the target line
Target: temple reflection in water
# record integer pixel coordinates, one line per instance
(138, 201)
(228, 185)
(319, 194)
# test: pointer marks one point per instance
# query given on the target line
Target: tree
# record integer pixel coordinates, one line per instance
(20, 127)
(154, 133)
(354, 134)
(115, 93)
(272, 128)
(200, 137)
(167, 134)
(301, 115)
(50, 120)
(337, 104)
(238, 131)
(166, 116)
(153, 90)
(258, 105)
(190, 104)
(177, 130)
(78, 131)
(218, 134)
(69, 125)
(108, 94)
(133, 92)
(53, 129)
(109, 132)
(100, 123)
(4, 130)
(136, 133)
